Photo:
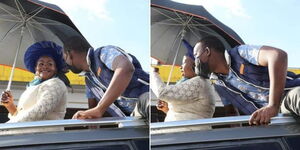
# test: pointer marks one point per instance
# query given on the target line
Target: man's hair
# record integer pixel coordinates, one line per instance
(77, 44)
(213, 42)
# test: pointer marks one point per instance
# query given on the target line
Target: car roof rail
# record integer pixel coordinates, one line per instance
(280, 119)
(121, 122)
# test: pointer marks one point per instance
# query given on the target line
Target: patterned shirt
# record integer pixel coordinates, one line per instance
(108, 55)
(261, 96)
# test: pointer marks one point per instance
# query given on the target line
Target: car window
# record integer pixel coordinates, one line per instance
(114, 145)
(293, 142)
(254, 146)
(231, 145)
(141, 144)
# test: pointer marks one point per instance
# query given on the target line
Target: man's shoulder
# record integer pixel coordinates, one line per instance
(108, 48)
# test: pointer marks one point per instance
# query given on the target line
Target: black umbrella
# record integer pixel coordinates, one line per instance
(24, 22)
(171, 22)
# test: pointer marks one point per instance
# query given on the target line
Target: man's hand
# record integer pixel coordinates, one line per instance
(263, 115)
(88, 114)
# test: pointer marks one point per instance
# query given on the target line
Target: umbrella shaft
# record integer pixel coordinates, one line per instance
(172, 68)
(15, 60)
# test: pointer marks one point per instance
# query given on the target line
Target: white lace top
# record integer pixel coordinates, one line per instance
(191, 99)
(46, 101)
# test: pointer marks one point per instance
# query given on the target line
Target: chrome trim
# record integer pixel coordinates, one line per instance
(122, 122)
(280, 119)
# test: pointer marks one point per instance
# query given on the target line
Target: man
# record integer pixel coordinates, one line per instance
(110, 72)
(254, 81)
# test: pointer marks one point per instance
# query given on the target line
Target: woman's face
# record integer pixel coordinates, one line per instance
(187, 67)
(45, 68)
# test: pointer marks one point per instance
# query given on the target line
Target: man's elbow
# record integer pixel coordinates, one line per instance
(281, 55)
(275, 54)
(131, 68)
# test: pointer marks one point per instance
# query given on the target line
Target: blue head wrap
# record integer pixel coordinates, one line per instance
(189, 48)
(44, 48)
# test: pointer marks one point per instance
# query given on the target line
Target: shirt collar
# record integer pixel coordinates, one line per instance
(90, 54)
(227, 58)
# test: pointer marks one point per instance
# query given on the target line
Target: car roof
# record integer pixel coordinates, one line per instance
(280, 126)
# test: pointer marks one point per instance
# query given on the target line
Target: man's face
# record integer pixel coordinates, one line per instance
(69, 60)
(199, 51)
(202, 55)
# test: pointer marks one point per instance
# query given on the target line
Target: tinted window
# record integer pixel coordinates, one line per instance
(78, 146)
(258, 146)
(293, 142)
(142, 144)
(226, 146)
(106, 147)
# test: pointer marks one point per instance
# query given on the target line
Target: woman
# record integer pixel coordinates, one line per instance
(190, 98)
(45, 96)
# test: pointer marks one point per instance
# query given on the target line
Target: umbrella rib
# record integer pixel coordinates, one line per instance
(21, 6)
(190, 19)
(42, 8)
(179, 16)
(167, 20)
(8, 32)
(32, 12)
(9, 12)
(166, 15)
(194, 33)
(211, 33)
(201, 25)
(38, 28)
(172, 24)
(10, 20)
(54, 23)
(20, 25)
(31, 35)
(47, 23)
(21, 14)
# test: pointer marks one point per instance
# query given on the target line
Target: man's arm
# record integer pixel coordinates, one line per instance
(276, 61)
(92, 102)
(123, 71)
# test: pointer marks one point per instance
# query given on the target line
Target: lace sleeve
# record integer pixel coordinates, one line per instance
(188, 90)
(48, 98)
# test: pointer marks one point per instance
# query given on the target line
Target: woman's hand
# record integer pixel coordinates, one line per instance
(7, 100)
(162, 106)
(155, 69)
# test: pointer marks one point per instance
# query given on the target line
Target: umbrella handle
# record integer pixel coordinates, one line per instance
(15, 60)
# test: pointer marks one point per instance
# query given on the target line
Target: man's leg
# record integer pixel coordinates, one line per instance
(291, 102)
(142, 106)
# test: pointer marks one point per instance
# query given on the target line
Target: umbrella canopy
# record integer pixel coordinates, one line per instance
(24, 22)
(171, 22)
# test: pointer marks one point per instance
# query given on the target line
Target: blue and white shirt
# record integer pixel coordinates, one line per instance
(109, 53)
(107, 56)
(261, 96)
